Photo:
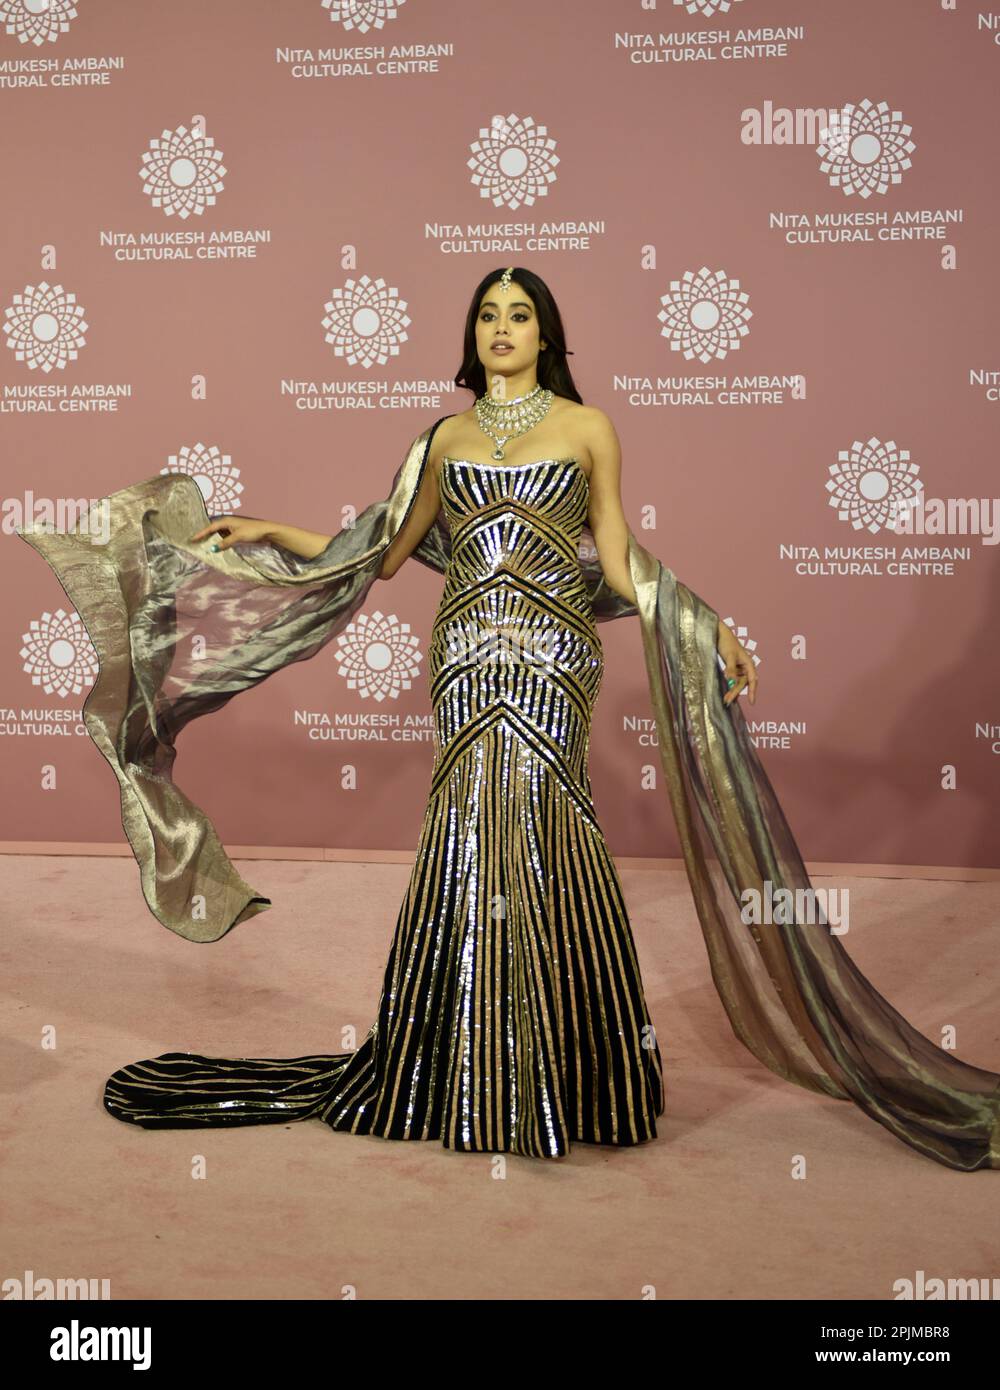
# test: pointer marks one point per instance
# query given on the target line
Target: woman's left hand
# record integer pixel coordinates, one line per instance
(739, 665)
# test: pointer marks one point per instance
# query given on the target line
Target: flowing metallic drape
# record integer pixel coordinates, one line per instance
(180, 629)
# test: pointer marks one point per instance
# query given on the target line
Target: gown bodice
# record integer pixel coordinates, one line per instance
(523, 520)
(515, 640)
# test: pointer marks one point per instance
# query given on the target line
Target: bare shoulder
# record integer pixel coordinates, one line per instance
(444, 436)
(448, 427)
(596, 431)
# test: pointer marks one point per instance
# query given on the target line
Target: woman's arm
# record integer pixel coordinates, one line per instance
(231, 530)
(240, 530)
(308, 544)
(607, 517)
(610, 530)
(423, 512)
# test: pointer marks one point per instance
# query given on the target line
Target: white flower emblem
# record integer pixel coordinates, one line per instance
(58, 654)
(213, 472)
(45, 326)
(365, 322)
(378, 656)
(362, 14)
(182, 172)
(706, 8)
(865, 148)
(704, 315)
(36, 21)
(513, 161)
(872, 484)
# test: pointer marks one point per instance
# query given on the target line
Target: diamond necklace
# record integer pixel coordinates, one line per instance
(505, 420)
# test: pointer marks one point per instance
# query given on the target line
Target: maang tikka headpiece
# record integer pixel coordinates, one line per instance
(502, 420)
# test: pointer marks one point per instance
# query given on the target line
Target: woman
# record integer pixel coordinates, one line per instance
(512, 1015)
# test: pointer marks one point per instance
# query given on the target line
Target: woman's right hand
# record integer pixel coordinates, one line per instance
(739, 664)
(234, 530)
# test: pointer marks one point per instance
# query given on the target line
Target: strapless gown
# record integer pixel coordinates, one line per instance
(512, 1014)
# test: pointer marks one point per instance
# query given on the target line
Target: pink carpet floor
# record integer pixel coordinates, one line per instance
(709, 1210)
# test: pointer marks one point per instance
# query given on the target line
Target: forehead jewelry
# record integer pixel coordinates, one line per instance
(505, 278)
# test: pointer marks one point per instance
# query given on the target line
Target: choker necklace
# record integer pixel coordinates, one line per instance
(502, 421)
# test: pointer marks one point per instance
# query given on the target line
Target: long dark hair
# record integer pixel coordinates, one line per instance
(552, 369)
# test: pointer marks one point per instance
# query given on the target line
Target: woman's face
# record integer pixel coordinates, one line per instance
(507, 317)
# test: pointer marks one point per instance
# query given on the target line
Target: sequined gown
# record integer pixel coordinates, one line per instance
(512, 1014)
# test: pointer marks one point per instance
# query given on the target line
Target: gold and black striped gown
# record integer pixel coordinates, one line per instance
(512, 1014)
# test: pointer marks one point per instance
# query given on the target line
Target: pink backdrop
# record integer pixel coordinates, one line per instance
(829, 278)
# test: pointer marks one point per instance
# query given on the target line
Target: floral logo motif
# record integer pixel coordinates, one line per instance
(182, 172)
(362, 14)
(513, 161)
(378, 656)
(872, 484)
(706, 8)
(58, 654)
(213, 472)
(365, 322)
(704, 315)
(865, 148)
(45, 327)
(36, 21)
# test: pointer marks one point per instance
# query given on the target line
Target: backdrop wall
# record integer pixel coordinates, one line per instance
(240, 239)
